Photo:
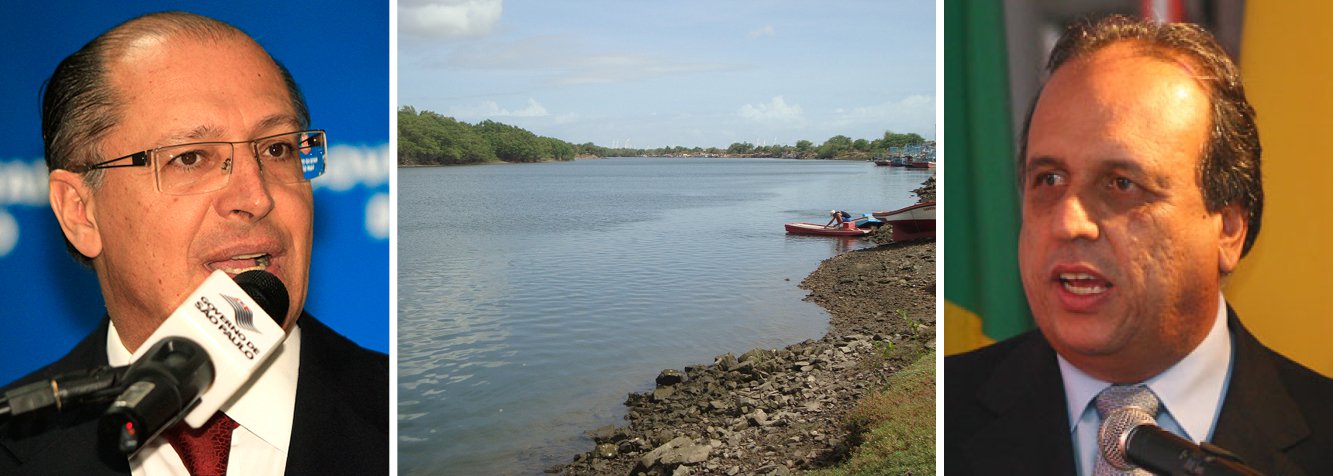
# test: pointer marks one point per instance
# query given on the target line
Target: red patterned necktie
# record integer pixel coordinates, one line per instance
(205, 449)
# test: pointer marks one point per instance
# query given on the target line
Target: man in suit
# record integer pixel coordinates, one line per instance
(170, 141)
(1141, 191)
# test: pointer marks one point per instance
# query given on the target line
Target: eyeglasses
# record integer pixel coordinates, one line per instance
(202, 167)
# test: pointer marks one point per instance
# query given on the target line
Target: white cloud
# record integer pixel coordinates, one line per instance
(603, 69)
(766, 30)
(776, 110)
(487, 109)
(564, 61)
(914, 113)
(910, 105)
(566, 118)
(448, 18)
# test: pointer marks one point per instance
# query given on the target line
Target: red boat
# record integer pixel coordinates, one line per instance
(912, 222)
(846, 229)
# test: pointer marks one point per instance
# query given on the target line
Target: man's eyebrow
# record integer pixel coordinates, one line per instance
(199, 133)
(210, 132)
(274, 121)
(1043, 161)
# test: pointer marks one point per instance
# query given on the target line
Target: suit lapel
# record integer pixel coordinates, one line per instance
(329, 436)
(1030, 433)
(1259, 420)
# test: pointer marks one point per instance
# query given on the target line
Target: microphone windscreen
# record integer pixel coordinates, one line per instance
(267, 290)
(1114, 435)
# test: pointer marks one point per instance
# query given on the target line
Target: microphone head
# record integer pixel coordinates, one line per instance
(267, 290)
(1113, 436)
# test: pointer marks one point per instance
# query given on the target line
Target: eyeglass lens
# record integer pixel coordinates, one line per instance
(205, 167)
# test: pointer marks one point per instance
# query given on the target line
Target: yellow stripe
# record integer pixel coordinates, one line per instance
(962, 330)
(1281, 290)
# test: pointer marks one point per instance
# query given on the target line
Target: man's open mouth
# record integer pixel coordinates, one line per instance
(242, 263)
(1083, 284)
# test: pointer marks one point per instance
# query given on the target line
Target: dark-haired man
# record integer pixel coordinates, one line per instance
(170, 141)
(1141, 192)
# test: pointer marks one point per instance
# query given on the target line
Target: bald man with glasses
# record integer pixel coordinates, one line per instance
(177, 147)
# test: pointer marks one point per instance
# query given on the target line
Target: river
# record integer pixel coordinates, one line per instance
(533, 297)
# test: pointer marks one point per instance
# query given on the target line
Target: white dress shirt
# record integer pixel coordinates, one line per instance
(263, 410)
(1191, 392)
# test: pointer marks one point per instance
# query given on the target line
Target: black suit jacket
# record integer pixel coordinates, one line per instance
(340, 425)
(1005, 411)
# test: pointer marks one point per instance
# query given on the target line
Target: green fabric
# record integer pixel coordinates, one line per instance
(981, 195)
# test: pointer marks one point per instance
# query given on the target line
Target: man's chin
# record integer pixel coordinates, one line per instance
(1088, 335)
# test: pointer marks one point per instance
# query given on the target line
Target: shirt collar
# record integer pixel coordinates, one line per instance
(266, 405)
(1191, 390)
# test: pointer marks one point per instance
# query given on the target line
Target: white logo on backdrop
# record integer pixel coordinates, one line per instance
(9, 233)
(377, 216)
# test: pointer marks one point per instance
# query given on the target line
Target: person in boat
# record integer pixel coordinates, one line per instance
(838, 218)
(1139, 172)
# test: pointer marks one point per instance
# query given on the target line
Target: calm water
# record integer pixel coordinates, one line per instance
(532, 298)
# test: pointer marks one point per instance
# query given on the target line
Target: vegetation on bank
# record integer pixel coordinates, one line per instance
(896, 426)
(428, 138)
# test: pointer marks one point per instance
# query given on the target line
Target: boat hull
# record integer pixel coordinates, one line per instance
(820, 230)
(911, 223)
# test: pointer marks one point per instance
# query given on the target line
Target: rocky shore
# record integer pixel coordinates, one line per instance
(773, 411)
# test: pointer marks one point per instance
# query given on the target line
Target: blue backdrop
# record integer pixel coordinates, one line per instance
(338, 53)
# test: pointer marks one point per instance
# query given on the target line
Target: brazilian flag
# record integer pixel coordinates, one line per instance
(983, 296)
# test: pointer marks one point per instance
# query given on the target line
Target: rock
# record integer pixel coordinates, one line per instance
(755, 355)
(681, 450)
(663, 393)
(759, 417)
(606, 450)
(725, 362)
(670, 377)
(605, 434)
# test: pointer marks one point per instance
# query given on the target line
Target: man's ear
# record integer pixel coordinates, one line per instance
(72, 202)
(1235, 225)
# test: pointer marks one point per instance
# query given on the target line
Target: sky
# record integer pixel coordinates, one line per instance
(674, 73)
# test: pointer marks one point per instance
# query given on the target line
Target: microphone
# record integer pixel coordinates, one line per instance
(1130, 438)
(198, 358)
(70, 390)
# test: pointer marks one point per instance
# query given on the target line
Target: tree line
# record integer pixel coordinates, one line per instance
(428, 138)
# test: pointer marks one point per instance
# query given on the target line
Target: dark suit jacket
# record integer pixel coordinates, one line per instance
(340, 425)
(1005, 412)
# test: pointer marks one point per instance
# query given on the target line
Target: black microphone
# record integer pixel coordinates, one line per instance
(1131, 438)
(197, 358)
(64, 391)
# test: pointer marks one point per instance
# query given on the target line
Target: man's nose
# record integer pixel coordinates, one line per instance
(246, 195)
(1074, 219)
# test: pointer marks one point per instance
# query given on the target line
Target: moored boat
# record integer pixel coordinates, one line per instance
(911, 222)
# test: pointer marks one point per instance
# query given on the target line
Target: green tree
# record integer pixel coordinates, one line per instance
(834, 146)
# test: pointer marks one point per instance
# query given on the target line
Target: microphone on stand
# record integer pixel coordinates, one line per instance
(70, 390)
(198, 358)
(1130, 438)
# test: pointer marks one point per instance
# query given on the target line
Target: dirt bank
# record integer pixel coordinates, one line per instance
(776, 410)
